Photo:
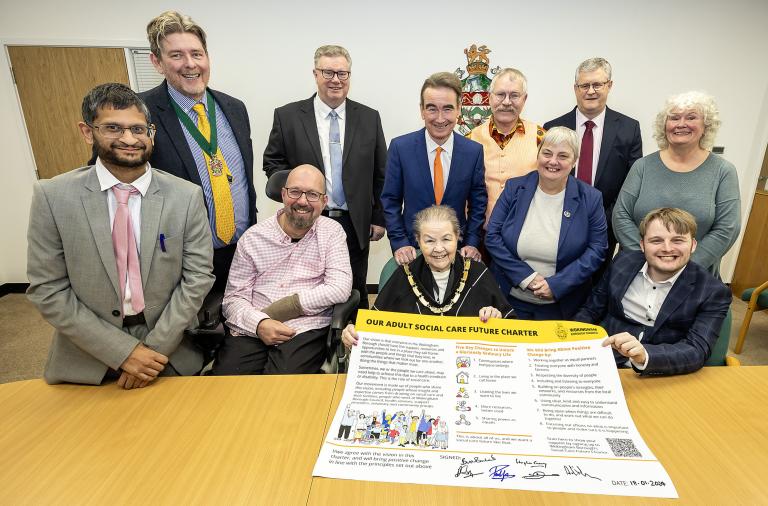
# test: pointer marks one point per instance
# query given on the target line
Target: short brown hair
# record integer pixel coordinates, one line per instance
(442, 80)
(168, 23)
(678, 220)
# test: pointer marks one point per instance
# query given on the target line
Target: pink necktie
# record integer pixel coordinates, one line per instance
(584, 171)
(126, 253)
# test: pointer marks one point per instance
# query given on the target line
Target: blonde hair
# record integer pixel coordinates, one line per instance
(170, 22)
(698, 101)
(331, 51)
(678, 220)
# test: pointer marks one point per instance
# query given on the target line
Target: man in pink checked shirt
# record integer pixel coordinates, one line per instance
(287, 273)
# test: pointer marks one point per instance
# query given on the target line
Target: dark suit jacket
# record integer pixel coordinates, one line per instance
(581, 247)
(294, 141)
(688, 323)
(172, 153)
(620, 147)
(409, 182)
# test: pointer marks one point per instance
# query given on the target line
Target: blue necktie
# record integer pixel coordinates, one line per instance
(337, 192)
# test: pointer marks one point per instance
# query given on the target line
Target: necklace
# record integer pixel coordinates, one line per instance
(425, 302)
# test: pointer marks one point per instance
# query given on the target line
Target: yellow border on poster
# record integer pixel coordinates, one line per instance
(470, 328)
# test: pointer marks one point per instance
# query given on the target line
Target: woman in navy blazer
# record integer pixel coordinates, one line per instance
(548, 234)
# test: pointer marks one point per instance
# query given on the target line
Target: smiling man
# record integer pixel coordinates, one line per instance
(610, 141)
(432, 166)
(119, 255)
(203, 135)
(662, 312)
(344, 138)
(287, 274)
(510, 143)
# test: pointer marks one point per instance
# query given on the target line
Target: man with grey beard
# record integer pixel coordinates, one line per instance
(287, 273)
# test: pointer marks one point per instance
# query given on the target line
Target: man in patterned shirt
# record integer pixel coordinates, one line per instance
(287, 273)
(510, 143)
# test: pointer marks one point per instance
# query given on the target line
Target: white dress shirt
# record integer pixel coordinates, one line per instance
(106, 182)
(643, 300)
(597, 136)
(445, 157)
(323, 120)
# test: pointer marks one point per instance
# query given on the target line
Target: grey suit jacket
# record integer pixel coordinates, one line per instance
(73, 276)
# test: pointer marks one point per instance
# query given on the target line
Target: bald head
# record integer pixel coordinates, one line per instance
(303, 199)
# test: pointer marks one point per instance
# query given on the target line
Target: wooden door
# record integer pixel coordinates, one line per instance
(752, 265)
(51, 82)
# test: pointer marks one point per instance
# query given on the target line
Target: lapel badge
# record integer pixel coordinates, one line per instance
(567, 214)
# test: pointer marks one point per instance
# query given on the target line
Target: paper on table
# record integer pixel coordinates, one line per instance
(508, 404)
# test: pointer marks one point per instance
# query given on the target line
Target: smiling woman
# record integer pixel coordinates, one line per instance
(684, 174)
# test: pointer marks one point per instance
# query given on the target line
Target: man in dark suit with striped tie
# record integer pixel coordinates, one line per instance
(662, 312)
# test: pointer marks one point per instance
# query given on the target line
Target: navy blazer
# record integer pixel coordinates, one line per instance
(688, 323)
(171, 152)
(620, 146)
(408, 187)
(581, 247)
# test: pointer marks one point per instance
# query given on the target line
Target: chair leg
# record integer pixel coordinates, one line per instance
(744, 329)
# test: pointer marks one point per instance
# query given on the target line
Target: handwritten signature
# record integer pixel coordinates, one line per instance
(537, 475)
(531, 463)
(465, 472)
(577, 471)
(500, 473)
(477, 459)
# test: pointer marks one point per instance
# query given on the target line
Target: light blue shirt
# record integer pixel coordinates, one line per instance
(231, 152)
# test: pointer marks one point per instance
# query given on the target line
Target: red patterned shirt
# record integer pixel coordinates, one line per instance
(502, 139)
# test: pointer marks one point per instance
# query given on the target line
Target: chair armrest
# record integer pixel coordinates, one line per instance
(343, 310)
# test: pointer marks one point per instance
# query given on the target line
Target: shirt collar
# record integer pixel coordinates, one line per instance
(107, 180)
(186, 103)
(520, 128)
(598, 120)
(324, 110)
(670, 281)
(432, 145)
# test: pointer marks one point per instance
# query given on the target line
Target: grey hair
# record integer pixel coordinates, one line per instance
(561, 135)
(513, 74)
(591, 65)
(112, 95)
(331, 51)
(436, 214)
(698, 101)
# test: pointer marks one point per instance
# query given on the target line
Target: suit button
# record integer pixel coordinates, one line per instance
(115, 313)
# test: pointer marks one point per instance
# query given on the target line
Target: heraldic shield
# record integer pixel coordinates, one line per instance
(475, 105)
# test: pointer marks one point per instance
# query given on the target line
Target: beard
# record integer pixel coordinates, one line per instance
(109, 154)
(300, 221)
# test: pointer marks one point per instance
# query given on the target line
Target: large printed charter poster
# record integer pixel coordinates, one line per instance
(508, 404)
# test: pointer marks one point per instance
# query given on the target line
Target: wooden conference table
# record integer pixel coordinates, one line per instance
(254, 440)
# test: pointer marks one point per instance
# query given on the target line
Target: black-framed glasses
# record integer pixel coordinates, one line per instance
(595, 86)
(295, 194)
(111, 131)
(328, 74)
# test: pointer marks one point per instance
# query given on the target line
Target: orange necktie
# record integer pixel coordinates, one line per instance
(438, 176)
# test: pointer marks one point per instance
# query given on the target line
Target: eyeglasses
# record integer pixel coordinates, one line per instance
(295, 194)
(111, 131)
(328, 74)
(595, 86)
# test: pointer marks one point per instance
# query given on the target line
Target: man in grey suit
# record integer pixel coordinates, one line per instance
(119, 257)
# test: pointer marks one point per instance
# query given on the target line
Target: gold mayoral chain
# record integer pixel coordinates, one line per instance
(454, 299)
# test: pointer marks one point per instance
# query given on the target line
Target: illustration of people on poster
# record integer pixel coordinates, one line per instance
(506, 404)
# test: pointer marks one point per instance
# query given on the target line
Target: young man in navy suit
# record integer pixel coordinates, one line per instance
(431, 166)
(662, 312)
(610, 141)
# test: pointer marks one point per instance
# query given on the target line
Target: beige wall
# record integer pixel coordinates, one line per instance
(262, 53)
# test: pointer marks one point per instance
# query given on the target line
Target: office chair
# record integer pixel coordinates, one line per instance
(209, 333)
(719, 355)
(337, 359)
(757, 300)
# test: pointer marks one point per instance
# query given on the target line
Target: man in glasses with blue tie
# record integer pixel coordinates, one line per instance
(345, 140)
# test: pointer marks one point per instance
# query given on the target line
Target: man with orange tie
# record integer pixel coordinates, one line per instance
(431, 166)
(203, 135)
